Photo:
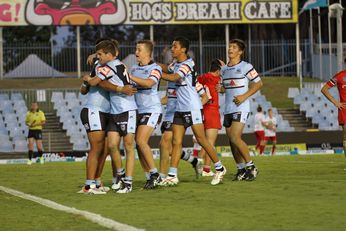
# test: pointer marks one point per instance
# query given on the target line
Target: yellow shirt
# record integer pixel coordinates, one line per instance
(35, 118)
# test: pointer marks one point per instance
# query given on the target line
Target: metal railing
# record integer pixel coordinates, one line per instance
(274, 57)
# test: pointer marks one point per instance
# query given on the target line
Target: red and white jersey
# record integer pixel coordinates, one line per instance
(272, 122)
(259, 118)
(340, 81)
(210, 82)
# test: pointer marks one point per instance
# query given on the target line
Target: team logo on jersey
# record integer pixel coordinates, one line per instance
(86, 126)
(143, 119)
(232, 83)
(122, 127)
(104, 70)
(168, 124)
(238, 71)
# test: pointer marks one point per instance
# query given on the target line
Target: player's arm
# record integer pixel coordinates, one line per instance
(164, 100)
(92, 81)
(254, 87)
(84, 88)
(326, 93)
(171, 77)
(148, 83)
(204, 98)
(91, 59)
(127, 89)
(164, 67)
(27, 120)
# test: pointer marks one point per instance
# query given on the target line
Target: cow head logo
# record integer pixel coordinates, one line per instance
(75, 12)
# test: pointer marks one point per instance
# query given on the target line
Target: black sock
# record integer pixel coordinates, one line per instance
(194, 162)
(40, 153)
(30, 154)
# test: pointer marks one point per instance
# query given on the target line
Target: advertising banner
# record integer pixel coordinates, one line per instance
(151, 12)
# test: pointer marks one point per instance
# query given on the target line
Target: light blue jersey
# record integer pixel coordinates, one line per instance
(235, 80)
(115, 72)
(98, 99)
(187, 90)
(171, 94)
(148, 99)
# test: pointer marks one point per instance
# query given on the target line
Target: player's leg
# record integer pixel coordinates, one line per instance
(165, 152)
(178, 136)
(114, 139)
(258, 140)
(198, 131)
(130, 163)
(40, 149)
(211, 134)
(143, 135)
(265, 142)
(96, 140)
(344, 138)
(274, 145)
(31, 142)
(235, 133)
(101, 164)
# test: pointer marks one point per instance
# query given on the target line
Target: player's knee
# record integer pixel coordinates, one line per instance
(112, 148)
(129, 144)
(177, 141)
(235, 140)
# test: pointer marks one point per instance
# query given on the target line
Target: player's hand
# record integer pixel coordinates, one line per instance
(128, 90)
(86, 78)
(90, 59)
(239, 99)
(340, 105)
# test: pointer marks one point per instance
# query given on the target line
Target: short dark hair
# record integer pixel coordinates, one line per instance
(259, 108)
(148, 44)
(215, 65)
(184, 42)
(102, 39)
(108, 46)
(240, 43)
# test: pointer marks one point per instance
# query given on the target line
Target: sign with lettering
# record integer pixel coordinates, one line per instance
(111, 12)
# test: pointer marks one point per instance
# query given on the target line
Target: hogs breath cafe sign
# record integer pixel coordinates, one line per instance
(211, 12)
(112, 12)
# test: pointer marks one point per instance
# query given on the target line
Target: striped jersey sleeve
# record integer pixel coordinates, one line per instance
(184, 70)
(251, 73)
(155, 75)
(104, 72)
(332, 82)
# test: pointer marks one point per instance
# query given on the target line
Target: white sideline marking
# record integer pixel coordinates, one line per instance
(94, 217)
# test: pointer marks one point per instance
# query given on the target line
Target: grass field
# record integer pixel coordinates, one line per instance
(291, 193)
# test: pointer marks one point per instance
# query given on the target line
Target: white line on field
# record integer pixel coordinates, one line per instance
(94, 217)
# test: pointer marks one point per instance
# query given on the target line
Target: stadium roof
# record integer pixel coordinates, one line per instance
(33, 67)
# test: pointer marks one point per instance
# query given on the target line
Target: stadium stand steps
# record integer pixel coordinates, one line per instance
(296, 119)
(59, 141)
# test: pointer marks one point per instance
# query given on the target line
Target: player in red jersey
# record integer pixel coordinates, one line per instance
(338, 80)
(212, 120)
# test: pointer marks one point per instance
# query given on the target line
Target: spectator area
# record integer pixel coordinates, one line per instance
(315, 106)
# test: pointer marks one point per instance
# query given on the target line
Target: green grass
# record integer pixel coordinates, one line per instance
(276, 89)
(291, 193)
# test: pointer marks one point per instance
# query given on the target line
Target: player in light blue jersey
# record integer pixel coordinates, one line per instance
(123, 107)
(237, 75)
(147, 74)
(188, 110)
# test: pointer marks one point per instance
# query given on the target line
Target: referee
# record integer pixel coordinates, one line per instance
(35, 119)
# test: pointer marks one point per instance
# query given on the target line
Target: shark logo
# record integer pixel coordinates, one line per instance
(75, 12)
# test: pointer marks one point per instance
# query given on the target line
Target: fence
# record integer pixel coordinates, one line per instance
(270, 58)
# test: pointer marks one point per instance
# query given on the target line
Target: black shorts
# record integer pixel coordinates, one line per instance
(94, 120)
(166, 126)
(188, 118)
(149, 119)
(236, 117)
(123, 123)
(36, 134)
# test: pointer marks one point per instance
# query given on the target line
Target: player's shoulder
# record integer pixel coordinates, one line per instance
(246, 66)
(189, 62)
(341, 74)
(155, 66)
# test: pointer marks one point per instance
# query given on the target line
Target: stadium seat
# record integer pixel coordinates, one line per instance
(70, 96)
(16, 96)
(20, 146)
(293, 92)
(80, 145)
(6, 146)
(4, 97)
(56, 96)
